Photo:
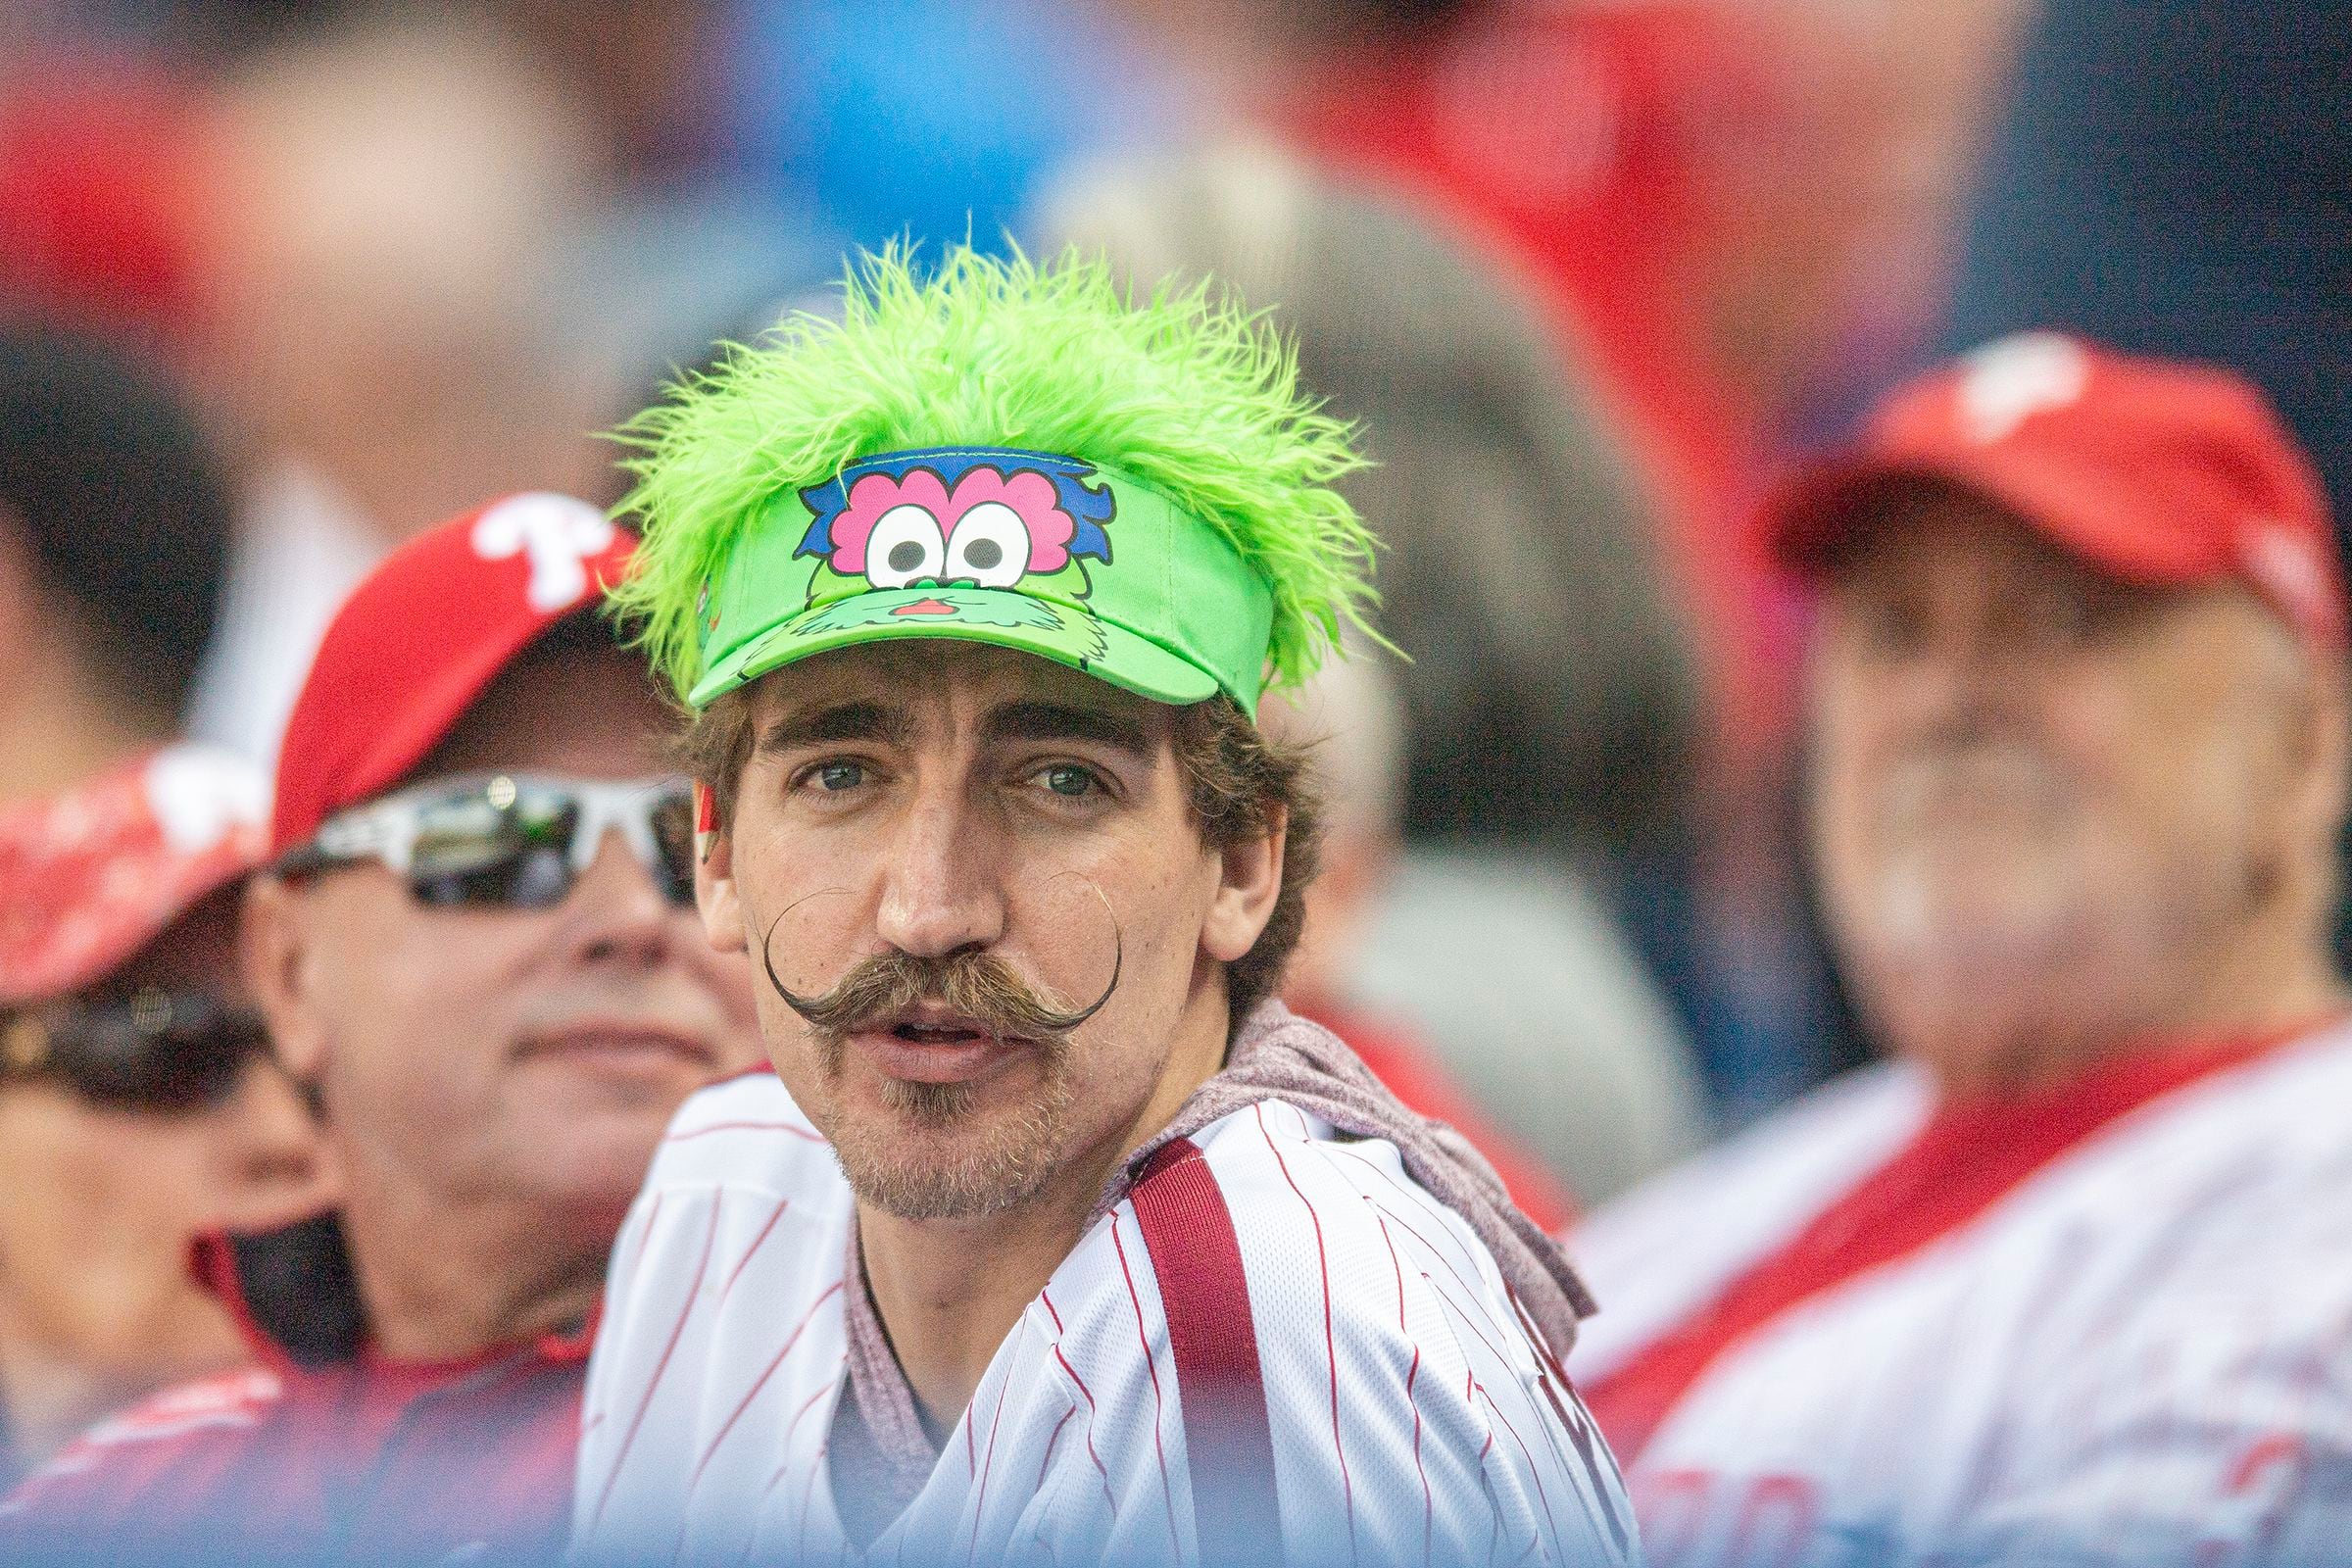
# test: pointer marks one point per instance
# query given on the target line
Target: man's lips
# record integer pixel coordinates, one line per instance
(932, 1045)
(618, 1043)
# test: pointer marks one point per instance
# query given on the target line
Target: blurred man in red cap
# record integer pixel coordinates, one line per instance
(478, 953)
(2066, 1280)
(136, 1109)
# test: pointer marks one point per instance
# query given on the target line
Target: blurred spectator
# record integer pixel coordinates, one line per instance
(1446, 967)
(1729, 214)
(1721, 204)
(1549, 698)
(442, 248)
(689, 238)
(2065, 1282)
(114, 534)
(478, 953)
(378, 268)
(136, 1109)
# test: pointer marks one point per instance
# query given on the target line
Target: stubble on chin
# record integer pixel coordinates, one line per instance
(938, 1151)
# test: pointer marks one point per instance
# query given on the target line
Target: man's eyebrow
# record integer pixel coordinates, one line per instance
(1056, 722)
(841, 721)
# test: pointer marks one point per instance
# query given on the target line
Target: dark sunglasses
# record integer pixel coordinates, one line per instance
(153, 1050)
(510, 841)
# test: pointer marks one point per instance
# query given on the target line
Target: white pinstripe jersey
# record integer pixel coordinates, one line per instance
(2139, 1354)
(1411, 1417)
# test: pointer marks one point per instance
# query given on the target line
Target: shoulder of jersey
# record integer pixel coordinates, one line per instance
(1307, 1207)
(743, 1129)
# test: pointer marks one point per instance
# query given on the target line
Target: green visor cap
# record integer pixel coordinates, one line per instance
(1028, 549)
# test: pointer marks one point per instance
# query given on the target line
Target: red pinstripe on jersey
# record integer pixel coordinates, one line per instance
(646, 1402)
(1535, 1472)
(759, 1383)
(1046, 1460)
(753, 1251)
(988, 1466)
(751, 1539)
(1088, 1393)
(792, 1127)
(1429, 1506)
(1434, 1216)
(1143, 1343)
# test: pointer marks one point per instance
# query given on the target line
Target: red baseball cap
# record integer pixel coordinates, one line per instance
(91, 877)
(421, 637)
(2151, 470)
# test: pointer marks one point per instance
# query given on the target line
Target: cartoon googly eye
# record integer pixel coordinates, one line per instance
(904, 546)
(990, 545)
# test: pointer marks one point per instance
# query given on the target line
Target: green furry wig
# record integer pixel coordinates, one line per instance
(1186, 392)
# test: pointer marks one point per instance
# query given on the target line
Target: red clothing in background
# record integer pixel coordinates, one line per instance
(1413, 1076)
(100, 182)
(1957, 1168)
(322, 1450)
(1612, 152)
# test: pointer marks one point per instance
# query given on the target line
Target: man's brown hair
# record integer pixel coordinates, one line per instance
(1240, 784)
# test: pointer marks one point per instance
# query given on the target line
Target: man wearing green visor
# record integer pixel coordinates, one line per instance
(1052, 1235)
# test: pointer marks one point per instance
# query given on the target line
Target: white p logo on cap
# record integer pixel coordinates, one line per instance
(2008, 382)
(559, 534)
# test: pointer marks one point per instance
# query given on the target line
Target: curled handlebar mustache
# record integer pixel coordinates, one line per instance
(978, 985)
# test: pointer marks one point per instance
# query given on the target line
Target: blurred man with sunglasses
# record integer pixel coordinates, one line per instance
(135, 1110)
(478, 953)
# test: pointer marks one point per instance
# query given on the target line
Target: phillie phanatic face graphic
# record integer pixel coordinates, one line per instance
(913, 535)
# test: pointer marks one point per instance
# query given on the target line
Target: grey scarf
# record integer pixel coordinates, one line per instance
(1279, 1055)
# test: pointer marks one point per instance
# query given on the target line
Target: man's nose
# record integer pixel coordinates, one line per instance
(616, 913)
(938, 891)
(1965, 676)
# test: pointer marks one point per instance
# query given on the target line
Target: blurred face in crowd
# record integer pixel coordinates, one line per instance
(103, 1185)
(472, 1056)
(2052, 809)
(940, 846)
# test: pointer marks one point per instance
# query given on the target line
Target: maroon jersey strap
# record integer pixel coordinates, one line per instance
(1205, 1295)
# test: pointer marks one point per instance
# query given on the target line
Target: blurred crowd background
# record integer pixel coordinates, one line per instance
(1590, 272)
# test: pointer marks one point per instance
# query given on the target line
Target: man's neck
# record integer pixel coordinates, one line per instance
(948, 1291)
(2251, 992)
(442, 1282)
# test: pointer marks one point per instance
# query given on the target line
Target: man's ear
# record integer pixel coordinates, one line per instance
(714, 892)
(1249, 880)
(281, 969)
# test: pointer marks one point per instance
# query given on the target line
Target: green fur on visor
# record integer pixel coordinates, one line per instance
(1004, 453)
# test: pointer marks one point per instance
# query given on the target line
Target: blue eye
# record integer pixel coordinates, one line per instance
(840, 775)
